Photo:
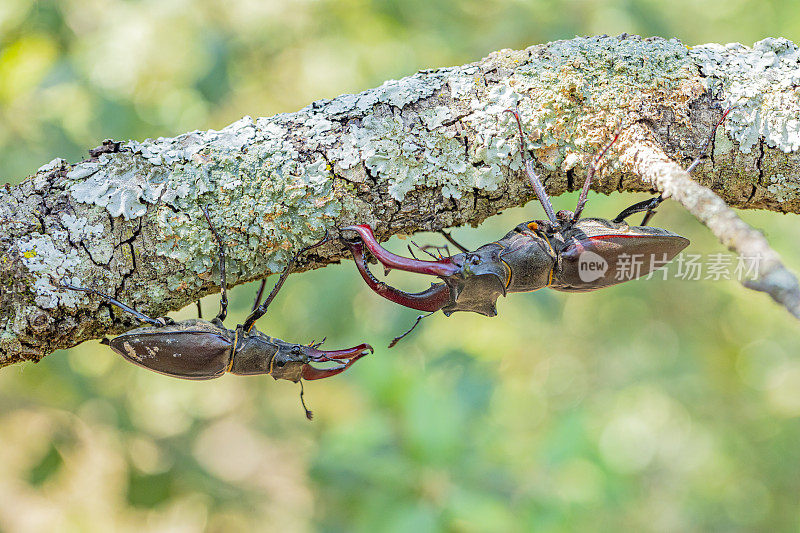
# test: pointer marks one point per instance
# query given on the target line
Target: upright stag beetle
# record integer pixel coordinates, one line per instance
(200, 349)
(565, 252)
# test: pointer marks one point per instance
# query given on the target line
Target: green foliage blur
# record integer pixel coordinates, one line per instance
(653, 406)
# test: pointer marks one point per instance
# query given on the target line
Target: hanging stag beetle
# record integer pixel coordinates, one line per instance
(565, 252)
(200, 349)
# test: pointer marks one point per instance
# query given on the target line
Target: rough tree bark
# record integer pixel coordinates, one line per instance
(430, 151)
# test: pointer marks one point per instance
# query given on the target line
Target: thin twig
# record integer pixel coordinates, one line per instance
(647, 159)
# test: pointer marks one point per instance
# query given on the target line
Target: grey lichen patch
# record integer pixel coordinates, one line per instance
(464, 82)
(125, 181)
(51, 266)
(722, 143)
(570, 97)
(784, 188)
(52, 165)
(119, 184)
(764, 82)
(265, 202)
(79, 228)
(411, 152)
(40, 179)
(397, 93)
(407, 156)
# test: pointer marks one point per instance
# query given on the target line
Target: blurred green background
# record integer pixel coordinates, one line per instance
(653, 406)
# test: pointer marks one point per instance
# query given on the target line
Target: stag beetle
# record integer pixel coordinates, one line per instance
(200, 349)
(565, 252)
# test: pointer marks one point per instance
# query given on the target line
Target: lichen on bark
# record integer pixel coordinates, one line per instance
(430, 151)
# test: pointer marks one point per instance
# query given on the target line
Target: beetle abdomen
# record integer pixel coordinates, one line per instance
(198, 350)
(597, 253)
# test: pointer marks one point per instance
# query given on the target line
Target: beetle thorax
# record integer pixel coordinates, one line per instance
(253, 354)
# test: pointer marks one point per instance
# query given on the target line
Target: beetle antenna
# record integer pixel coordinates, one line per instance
(428, 247)
(439, 250)
(538, 188)
(314, 344)
(309, 412)
(397, 339)
(424, 250)
(590, 174)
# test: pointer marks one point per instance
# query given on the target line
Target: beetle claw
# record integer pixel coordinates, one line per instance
(350, 355)
(356, 352)
(429, 300)
(443, 267)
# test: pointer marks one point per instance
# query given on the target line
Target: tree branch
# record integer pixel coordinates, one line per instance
(430, 151)
(652, 164)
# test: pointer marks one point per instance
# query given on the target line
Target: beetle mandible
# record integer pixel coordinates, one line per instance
(199, 349)
(565, 252)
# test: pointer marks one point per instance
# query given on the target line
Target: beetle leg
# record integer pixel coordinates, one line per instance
(442, 267)
(536, 183)
(260, 310)
(309, 412)
(590, 175)
(223, 303)
(430, 300)
(651, 211)
(711, 136)
(647, 205)
(158, 322)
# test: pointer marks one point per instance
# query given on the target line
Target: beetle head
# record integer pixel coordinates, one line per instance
(480, 280)
(257, 353)
(472, 280)
(294, 361)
